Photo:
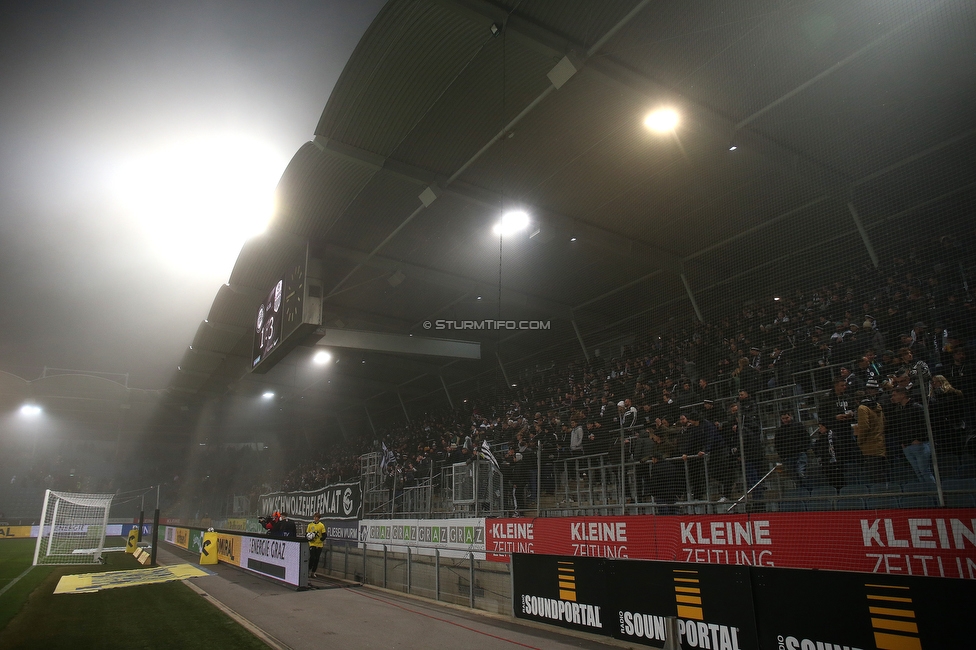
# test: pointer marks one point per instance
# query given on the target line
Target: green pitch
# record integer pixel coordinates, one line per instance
(150, 616)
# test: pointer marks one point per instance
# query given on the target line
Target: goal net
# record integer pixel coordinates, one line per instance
(72, 529)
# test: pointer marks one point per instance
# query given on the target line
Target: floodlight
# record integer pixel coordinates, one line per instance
(30, 410)
(322, 357)
(662, 120)
(267, 395)
(511, 223)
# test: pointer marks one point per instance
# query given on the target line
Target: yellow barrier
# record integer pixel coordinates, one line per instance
(132, 541)
(208, 549)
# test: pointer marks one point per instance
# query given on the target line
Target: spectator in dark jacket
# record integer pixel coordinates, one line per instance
(905, 433)
(836, 452)
(792, 442)
(947, 408)
(751, 436)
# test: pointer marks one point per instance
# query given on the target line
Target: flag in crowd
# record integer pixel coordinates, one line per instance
(388, 458)
(486, 453)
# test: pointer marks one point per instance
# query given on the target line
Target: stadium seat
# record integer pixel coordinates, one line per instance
(854, 490)
(960, 484)
(881, 503)
(918, 486)
(850, 503)
(900, 471)
(794, 500)
(822, 498)
(883, 488)
(967, 467)
(956, 500)
(919, 501)
(949, 466)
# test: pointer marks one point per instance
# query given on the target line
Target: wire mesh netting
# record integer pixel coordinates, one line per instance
(73, 528)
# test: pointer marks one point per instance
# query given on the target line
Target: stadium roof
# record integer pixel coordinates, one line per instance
(796, 122)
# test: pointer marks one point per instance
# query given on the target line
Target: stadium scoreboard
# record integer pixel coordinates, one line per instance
(291, 310)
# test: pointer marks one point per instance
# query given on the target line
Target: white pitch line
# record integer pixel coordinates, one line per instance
(14, 581)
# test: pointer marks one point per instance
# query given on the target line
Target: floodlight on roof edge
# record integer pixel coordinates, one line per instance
(511, 223)
(662, 120)
(30, 410)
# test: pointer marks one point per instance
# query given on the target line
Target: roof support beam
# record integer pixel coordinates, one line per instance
(579, 337)
(691, 297)
(448, 393)
(864, 234)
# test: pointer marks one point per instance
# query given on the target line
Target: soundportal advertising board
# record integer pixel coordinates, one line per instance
(722, 607)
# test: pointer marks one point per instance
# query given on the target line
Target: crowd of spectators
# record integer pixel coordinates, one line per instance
(685, 392)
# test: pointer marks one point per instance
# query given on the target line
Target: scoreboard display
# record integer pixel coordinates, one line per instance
(284, 316)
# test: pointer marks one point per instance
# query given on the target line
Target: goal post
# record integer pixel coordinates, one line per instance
(72, 528)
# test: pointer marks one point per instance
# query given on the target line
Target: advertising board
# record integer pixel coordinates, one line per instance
(911, 542)
(283, 560)
(275, 558)
(728, 607)
(452, 537)
(337, 501)
(341, 532)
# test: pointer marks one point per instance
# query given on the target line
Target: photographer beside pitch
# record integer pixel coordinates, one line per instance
(315, 534)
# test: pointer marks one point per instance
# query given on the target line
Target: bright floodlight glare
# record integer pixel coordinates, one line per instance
(30, 410)
(267, 395)
(199, 200)
(662, 120)
(322, 357)
(511, 223)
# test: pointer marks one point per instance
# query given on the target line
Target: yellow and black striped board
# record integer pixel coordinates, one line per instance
(631, 600)
(725, 607)
(836, 610)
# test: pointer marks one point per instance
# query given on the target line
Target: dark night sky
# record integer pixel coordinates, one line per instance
(86, 87)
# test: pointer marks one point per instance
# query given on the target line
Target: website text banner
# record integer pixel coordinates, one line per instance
(338, 501)
(829, 609)
(452, 537)
(925, 542)
(631, 600)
